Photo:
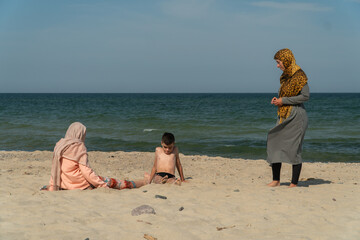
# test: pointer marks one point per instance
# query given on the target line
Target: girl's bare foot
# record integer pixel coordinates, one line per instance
(292, 185)
(274, 184)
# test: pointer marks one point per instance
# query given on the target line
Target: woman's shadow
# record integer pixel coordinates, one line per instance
(306, 182)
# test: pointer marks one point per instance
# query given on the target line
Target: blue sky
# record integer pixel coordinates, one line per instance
(176, 45)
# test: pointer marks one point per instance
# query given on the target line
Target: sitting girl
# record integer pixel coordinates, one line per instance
(70, 166)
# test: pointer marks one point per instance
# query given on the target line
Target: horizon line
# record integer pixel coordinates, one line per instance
(156, 92)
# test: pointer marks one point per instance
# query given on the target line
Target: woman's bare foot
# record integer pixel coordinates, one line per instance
(292, 185)
(274, 184)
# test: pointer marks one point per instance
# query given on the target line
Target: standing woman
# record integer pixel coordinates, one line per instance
(284, 143)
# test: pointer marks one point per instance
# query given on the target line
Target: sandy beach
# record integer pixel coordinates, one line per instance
(224, 199)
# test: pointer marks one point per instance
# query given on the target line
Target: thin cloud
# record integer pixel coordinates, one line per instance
(187, 8)
(295, 6)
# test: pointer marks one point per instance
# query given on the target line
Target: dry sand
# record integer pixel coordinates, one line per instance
(225, 199)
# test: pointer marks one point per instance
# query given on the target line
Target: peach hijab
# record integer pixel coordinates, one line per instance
(72, 147)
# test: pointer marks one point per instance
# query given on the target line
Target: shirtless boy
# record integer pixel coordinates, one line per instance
(166, 159)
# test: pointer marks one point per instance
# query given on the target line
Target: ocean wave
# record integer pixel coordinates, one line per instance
(149, 129)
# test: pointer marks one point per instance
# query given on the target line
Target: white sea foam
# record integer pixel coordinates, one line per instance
(149, 130)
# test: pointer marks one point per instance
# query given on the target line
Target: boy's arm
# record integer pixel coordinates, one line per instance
(179, 167)
(153, 170)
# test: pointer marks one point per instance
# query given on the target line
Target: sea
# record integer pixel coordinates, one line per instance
(227, 125)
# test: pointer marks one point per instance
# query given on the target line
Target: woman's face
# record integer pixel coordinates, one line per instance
(280, 65)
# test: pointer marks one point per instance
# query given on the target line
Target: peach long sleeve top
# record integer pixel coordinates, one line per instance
(77, 176)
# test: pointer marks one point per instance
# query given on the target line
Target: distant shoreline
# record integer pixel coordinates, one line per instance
(176, 93)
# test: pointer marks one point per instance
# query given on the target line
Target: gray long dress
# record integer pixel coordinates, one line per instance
(284, 142)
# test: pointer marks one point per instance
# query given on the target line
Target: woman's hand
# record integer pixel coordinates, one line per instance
(273, 100)
(277, 101)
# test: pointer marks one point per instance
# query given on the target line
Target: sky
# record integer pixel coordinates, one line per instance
(175, 46)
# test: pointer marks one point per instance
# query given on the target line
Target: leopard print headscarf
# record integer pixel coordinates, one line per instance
(292, 80)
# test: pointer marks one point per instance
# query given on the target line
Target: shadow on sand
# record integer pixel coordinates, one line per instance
(306, 182)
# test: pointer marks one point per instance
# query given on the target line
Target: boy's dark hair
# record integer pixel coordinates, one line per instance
(168, 138)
